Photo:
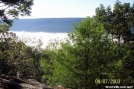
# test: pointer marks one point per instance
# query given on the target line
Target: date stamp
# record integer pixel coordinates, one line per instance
(107, 81)
(129, 87)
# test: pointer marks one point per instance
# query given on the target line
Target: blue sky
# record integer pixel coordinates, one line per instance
(68, 8)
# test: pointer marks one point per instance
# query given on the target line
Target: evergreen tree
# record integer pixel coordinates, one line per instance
(88, 54)
(119, 22)
(12, 9)
(17, 59)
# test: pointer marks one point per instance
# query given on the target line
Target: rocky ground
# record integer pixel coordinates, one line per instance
(9, 82)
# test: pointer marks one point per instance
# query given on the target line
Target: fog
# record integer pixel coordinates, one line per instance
(32, 38)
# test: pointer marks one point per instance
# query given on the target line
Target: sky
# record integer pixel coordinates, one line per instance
(61, 9)
(68, 8)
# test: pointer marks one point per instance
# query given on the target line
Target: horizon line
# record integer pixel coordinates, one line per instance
(52, 17)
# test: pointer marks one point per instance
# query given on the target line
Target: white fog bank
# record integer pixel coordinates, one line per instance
(32, 38)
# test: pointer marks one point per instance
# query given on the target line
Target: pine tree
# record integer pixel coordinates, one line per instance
(89, 53)
(119, 21)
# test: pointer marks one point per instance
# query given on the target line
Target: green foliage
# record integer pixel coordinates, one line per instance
(12, 9)
(117, 21)
(17, 59)
(88, 53)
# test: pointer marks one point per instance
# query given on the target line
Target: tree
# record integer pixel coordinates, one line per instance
(119, 21)
(89, 53)
(12, 9)
(17, 59)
